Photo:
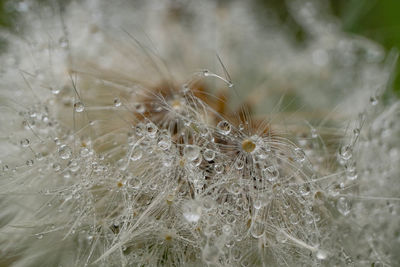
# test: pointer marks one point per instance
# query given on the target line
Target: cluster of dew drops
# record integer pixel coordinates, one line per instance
(180, 166)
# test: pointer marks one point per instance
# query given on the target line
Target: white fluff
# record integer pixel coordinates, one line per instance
(111, 157)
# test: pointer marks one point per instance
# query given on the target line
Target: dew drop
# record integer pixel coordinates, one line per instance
(192, 211)
(117, 102)
(140, 108)
(79, 107)
(5, 168)
(272, 173)
(235, 188)
(29, 162)
(257, 229)
(321, 254)
(224, 127)
(63, 41)
(226, 229)
(343, 205)
(151, 129)
(39, 156)
(373, 100)
(209, 154)
(314, 133)
(84, 152)
(239, 164)
(137, 153)
(345, 153)
(25, 142)
(55, 91)
(300, 155)
(164, 142)
(351, 171)
(56, 167)
(219, 168)
(281, 237)
(191, 152)
(39, 236)
(257, 204)
(293, 219)
(210, 254)
(64, 152)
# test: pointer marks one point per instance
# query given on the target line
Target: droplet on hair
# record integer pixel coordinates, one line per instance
(191, 152)
(209, 154)
(343, 205)
(79, 107)
(64, 152)
(224, 127)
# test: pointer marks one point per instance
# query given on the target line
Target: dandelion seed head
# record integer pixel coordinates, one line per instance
(122, 152)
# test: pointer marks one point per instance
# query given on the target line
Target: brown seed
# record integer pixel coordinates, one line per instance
(248, 146)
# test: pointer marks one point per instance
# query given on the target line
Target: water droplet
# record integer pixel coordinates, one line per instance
(192, 211)
(164, 142)
(314, 133)
(257, 204)
(210, 254)
(117, 102)
(64, 152)
(137, 153)
(345, 153)
(226, 229)
(56, 167)
(235, 188)
(257, 229)
(29, 162)
(55, 91)
(79, 107)
(191, 152)
(39, 236)
(151, 129)
(25, 142)
(84, 152)
(239, 164)
(140, 107)
(209, 154)
(373, 100)
(135, 183)
(351, 171)
(219, 168)
(272, 173)
(293, 219)
(281, 237)
(5, 168)
(224, 127)
(300, 155)
(304, 190)
(321, 254)
(343, 205)
(63, 41)
(39, 156)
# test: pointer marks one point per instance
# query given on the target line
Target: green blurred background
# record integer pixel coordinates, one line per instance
(378, 20)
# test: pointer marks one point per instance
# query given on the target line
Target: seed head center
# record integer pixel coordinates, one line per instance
(248, 146)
